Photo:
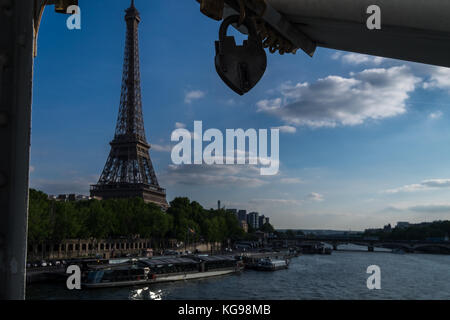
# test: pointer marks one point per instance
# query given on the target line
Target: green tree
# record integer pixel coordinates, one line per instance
(268, 228)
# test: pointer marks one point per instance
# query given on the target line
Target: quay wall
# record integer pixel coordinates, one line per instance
(111, 248)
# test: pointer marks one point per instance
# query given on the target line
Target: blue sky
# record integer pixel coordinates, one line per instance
(364, 140)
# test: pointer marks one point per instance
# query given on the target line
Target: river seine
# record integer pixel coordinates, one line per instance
(341, 275)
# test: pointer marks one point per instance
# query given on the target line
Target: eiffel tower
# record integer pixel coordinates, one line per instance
(129, 172)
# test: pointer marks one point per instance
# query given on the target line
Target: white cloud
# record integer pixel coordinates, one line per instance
(424, 185)
(337, 55)
(286, 129)
(357, 58)
(435, 115)
(32, 169)
(269, 105)
(314, 196)
(161, 148)
(439, 77)
(230, 102)
(334, 100)
(193, 95)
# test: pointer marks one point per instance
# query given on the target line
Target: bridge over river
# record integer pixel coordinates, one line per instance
(409, 246)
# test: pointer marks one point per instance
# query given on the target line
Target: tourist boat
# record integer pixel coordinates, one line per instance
(269, 264)
(156, 270)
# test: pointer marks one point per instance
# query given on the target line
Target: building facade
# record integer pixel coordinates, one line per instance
(252, 220)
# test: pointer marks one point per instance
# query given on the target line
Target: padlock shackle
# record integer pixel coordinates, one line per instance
(236, 19)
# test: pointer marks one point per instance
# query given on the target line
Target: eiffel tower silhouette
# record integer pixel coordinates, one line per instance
(129, 172)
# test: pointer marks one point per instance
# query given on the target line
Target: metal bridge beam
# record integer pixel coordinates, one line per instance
(16, 70)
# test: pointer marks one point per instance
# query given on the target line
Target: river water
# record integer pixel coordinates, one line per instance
(341, 275)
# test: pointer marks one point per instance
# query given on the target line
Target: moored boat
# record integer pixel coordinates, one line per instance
(156, 270)
(271, 264)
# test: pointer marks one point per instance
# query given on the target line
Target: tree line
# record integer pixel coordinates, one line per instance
(423, 231)
(185, 220)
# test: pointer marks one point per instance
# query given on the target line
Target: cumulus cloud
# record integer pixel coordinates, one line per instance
(335, 100)
(357, 59)
(424, 185)
(314, 196)
(435, 115)
(161, 148)
(230, 102)
(286, 129)
(439, 78)
(193, 95)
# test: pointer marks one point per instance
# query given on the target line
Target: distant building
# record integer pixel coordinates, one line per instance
(262, 236)
(81, 197)
(69, 198)
(252, 220)
(387, 228)
(63, 197)
(244, 226)
(261, 221)
(374, 230)
(242, 215)
(403, 225)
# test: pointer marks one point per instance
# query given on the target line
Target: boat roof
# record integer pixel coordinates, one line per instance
(115, 266)
(167, 261)
(152, 262)
(217, 258)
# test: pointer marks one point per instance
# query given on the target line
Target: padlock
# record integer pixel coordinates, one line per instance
(240, 67)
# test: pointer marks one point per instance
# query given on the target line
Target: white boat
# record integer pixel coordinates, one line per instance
(157, 270)
(269, 264)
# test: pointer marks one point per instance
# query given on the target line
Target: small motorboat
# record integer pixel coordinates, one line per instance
(269, 264)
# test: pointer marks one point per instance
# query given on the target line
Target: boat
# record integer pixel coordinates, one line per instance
(269, 264)
(398, 251)
(156, 270)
